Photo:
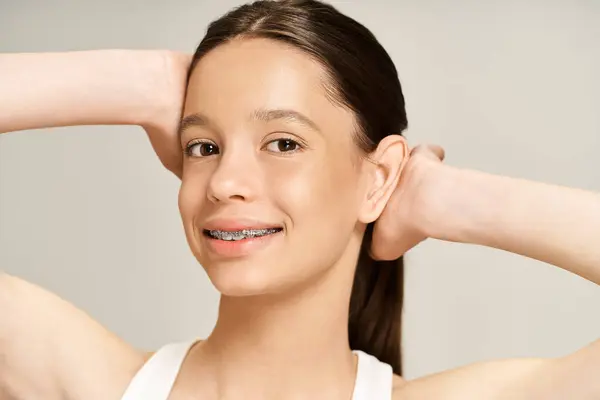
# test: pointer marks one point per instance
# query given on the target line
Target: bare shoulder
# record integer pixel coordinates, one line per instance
(514, 379)
(50, 349)
(397, 383)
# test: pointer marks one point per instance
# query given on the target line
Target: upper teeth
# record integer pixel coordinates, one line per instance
(239, 235)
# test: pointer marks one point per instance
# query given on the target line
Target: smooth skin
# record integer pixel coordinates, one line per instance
(265, 142)
(79, 359)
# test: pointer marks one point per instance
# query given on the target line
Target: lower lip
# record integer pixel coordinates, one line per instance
(240, 248)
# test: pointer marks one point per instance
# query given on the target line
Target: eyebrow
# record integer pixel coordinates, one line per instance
(197, 119)
(191, 120)
(285, 114)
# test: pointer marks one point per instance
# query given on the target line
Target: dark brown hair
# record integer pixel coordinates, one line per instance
(362, 77)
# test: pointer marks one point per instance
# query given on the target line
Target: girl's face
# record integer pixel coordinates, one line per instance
(273, 182)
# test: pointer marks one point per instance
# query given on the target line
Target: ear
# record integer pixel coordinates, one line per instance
(389, 158)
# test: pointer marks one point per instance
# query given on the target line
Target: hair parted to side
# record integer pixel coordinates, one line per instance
(362, 77)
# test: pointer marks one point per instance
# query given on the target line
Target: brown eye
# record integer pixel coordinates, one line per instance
(202, 149)
(283, 146)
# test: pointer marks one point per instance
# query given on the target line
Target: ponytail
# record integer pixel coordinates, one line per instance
(376, 306)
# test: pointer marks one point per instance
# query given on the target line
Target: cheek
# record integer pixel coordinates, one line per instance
(315, 192)
(320, 202)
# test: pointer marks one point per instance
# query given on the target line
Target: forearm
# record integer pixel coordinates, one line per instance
(553, 224)
(103, 87)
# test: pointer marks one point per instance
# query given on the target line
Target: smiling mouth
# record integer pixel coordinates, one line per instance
(241, 234)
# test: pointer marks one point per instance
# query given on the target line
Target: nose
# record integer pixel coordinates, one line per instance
(236, 178)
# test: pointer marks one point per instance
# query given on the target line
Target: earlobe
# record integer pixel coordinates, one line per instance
(390, 157)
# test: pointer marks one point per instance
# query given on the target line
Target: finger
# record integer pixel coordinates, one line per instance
(429, 150)
(438, 151)
(387, 246)
(379, 252)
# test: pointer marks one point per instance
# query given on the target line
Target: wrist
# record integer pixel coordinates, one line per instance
(165, 83)
(467, 204)
(93, 87)
(117, 86)
(147, 71)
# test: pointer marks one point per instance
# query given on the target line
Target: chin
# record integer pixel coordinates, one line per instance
(242, 278)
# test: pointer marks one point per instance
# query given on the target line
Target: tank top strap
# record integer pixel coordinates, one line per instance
(374, 379)
(155, 380)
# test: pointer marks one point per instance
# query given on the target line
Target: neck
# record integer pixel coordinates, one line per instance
(300, 337)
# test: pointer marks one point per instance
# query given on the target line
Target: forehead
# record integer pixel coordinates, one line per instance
(239, 77)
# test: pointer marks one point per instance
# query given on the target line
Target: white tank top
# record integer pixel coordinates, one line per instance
(154, 381)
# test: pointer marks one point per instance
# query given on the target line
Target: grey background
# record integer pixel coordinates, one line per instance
(509, 87)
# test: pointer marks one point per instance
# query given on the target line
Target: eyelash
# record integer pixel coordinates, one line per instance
(189, 147)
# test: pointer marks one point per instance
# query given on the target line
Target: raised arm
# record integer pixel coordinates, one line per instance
(554, 224)
(39, 90)
(48, 348)
(99, 87)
